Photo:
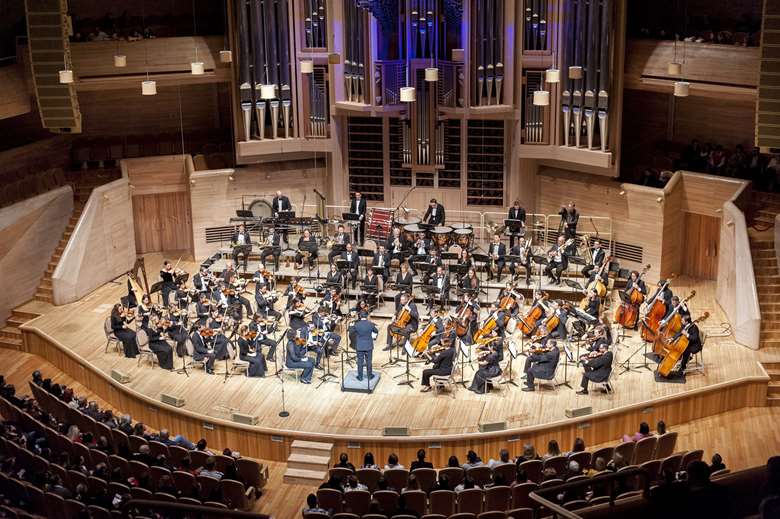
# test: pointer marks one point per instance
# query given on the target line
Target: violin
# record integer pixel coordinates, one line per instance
(539, 348)
(208, 332)
(249, 335)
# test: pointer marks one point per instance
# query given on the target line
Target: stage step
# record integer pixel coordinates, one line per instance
(308, 462)
(43, 298)
(311, 448)
(10, 332)
(774, 374)
(12, 344)
(311, 478)
(773, 401)
(773, 389)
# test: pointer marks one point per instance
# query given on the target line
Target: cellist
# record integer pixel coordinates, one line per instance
(469, 306)
(407, 304)
(691, 331)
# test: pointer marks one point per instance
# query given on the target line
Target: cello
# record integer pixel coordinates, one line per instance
(673, 350)
(420, 344)
(403, 318)
(670, 326)
(627, 314)
(656, 310)
(597, 284)
(537, 310)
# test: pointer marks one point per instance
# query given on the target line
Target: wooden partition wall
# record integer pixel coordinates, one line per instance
(215, 197)
(161, 202)
(101, 247)
(29, 232)
(15, 95)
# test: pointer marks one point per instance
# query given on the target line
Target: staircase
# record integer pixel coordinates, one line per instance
(11, 335)
(44, 291)
(308, 463)
(765, 206)
(773, 391)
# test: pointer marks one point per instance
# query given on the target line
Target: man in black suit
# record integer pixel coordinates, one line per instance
(690, 330)
(570, 218)
(352, 259)
(278, 204)
(523, 250)
(411, 326)
(358, 206)
(242, 245)
(558, 261)
(201, 351)
(340, 241)
(541, 365)
(364, 332)
(497, 252)
(273, 249)
(382, 260)
(265, 302)
(442, 366)
(396, 244)
(598, 255)
(597, 369)
(516, 212)
(435, 213)
(441, 280)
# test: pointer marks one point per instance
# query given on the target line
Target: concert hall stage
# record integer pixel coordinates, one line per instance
(72, 338)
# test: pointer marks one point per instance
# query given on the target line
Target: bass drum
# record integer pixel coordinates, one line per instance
(260, 209)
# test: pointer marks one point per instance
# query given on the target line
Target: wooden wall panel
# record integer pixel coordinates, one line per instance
(127, 112)
(673, 228)
(705, 194)
(51, 152)
(722, 121)
(702, 243)
(154, 175)
(29, 233)
(215, 198)
(101, 246)
(15, 95)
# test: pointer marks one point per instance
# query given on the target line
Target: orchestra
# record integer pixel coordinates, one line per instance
(212, 318)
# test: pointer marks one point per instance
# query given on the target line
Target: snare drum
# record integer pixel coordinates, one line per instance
(464, 238)
(410, 232)
(442, 236)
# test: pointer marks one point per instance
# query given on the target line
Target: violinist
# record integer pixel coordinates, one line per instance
(597, 366)
(488, 368)
(203, 309)
(297, 357)
(496, 252)
(294, 292)
(516, 212)
(523, 250)
(396, 244)
(167, 275)
(182, 295)
(407, 305)
(541, 363)
(592, 303)
(340, 241)
(353, 261)
(333, 299)
(307, 245)
(334, 276)
(157, 343)
(263, 277)
(248, 353)
(242, 245)
(145, 309)
(229, 273)
(265, 303)
(201, 350)
(263, 329)
(236, 301)
(273, 248)
(120, 318)
(201, 280)
(297, 315)
(598, 256)
(220, 343)
(325, 323)
(470, 281)
(601, 337)
(382, 260)
(177, 331)
(404, 282)
(558, 261)
(441, 281)
(442, 365)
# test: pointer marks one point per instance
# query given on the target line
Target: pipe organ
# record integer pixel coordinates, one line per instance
(475, 67)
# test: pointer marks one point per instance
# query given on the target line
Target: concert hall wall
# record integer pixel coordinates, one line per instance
(29, 232)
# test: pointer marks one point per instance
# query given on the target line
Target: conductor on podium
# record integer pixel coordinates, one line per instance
(365, 331)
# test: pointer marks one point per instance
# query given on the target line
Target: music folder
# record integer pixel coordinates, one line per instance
(350, 217)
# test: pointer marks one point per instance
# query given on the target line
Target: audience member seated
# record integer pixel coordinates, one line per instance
(392, 462)
(420, 462)
(644, 430)
(344, 462)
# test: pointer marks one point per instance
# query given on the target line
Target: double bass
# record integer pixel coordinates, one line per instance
(656, 310)
(597, 285)
(673, 350)
(670, 326)
(627, 314)
(537, 310)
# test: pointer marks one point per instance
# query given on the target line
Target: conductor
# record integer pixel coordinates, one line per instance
(365, 331)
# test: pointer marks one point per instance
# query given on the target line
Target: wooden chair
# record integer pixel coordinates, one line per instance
(144, 352)
(492, 514)
(340, 472)
(110, 337)
(198, 458)
(55, 506)
(135, 442)
(605, 453)
(369, 477)
(235, 495)
(470, 501)
(689, 457)
(454, 475)
(396, 478)
(463, 515)
(583, 459)
(163, 496)
(520, 513)
(138, 469)
(207, 486)
(140, 493)
(185, 482)
(498, 498)
(115, 461)
(506, 471)
(158, 448)
(626, 450)
(252, 472)
(415, 500)
(532, 469)
(177, 454)
(558, 463)
(156, 474)
(670, 463)
(481, 475)
(98, 512)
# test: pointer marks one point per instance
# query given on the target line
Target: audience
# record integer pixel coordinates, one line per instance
(503, 457)
(344, 462)
(472, 460)
(368, 461)
(392, 462)
(552, 450)
(420, 462)
(717, 463)
(644, 431)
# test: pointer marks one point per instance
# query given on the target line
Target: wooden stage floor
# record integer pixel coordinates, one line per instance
(79, 327)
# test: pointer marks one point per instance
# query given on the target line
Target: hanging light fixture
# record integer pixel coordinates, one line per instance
(225, 55)
(307, 66)
(267, 92)
(149, 87)
(120, 60)
(681, 88)
(575, 72)
(541, 98)
(431, 74)
(66, 76)
(552, 75)
(408, 94)
(674, 68)
(196, 67)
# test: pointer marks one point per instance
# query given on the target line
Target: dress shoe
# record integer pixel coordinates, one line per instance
(582, 392)
(526, 388)
(425, 389)
(360, 379)
(305, 381)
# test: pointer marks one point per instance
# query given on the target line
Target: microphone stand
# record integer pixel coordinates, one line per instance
(403, 200)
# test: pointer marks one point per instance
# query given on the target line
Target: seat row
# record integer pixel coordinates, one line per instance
(29, 185)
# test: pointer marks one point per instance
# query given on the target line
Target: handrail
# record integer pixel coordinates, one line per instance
(181, 507)
(536, 495)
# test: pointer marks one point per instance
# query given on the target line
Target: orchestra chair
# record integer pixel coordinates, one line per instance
(142, 340)
(110, 337)
(495, 382)
(696, 363)
(470, 501)
(666, 445)
(442, 382)
(190, 350)
(645, 448)
(608, 386)
(237, 365)
(498, 499)
(442, 502)
(235, 494)
(549, 382)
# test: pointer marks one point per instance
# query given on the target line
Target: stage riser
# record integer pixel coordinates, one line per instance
(276, 444)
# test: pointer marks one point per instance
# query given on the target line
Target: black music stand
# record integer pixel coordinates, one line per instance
(575, 287)
(364, 253)
(353, 220)
(540, 260)
(514, 228)
(407, 374)
(509, 379)
(448, 256)
(481, 258)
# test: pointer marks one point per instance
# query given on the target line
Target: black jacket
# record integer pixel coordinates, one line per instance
(439, 219)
